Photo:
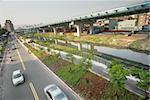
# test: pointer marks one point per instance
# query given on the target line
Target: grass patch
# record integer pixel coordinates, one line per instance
(109, 94)
(58, 47)
(40, 54)
(141, 45)
(71, 74)
(54, 63)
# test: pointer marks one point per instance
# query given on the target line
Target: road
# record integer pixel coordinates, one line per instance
(37, 76)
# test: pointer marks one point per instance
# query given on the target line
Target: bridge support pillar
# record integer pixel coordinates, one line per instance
(43, 30)
(78, 26)
(37, 31)
(79, 30)
(91, 28)
(55, 30)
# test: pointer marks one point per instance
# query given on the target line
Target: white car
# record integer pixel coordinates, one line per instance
(17, 77)
(53, 92)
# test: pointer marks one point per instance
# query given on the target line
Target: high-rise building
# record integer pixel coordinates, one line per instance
(9, 26)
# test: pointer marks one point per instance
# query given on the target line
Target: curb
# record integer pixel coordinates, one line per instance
(104, 76)
(74, 93)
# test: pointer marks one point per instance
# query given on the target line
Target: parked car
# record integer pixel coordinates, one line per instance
(30, 40)
(17, 77)
(53, 92)
(13, 47)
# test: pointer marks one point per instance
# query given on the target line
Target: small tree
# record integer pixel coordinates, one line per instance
(58, 55)
(85, 63)
(117, 76)
(70, 57)
(52, 52)
(144, 77)
(2, 31)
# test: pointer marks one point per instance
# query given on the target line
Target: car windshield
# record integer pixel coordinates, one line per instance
(59, 96)
(17, 75)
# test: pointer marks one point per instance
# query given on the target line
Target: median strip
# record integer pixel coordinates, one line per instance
(24, 68)
(33, 91)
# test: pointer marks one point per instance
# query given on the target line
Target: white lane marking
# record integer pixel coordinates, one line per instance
(46, 68)
(33, 91)
(23, 66)
(64, 84)
(30, 84)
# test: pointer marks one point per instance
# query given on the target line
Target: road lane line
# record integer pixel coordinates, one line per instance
(23, 66)
(30, 84)
(33, 91)
(47, 69)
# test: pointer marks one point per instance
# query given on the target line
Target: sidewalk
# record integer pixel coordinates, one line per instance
(1, 72)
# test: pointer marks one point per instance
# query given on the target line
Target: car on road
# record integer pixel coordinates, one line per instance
(53, 92)
(17, 77)
(31, 41)
(14, 47)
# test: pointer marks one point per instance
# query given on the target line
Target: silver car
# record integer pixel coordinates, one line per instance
(53, 92)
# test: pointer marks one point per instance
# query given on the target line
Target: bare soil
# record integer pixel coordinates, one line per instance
(91, 86)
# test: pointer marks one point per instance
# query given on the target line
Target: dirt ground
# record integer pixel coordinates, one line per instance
(115, 39)
(119, 40)
(91, 86)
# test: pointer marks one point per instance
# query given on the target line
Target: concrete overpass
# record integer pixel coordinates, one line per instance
(79, 22)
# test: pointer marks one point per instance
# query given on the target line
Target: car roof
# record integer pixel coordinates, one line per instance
(16, 72)
(54, 90)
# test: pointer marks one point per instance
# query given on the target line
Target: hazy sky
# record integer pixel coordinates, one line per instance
(47, 11)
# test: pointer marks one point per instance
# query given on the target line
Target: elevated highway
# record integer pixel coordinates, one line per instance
(79, 22)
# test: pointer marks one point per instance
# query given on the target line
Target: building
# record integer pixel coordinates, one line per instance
(143, 19)
(107, 24)
(9, 26)
(110, 24)
(127, 25)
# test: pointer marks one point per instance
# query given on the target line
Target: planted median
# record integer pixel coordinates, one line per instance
(111, 40)
(85, 83)
(58, 47)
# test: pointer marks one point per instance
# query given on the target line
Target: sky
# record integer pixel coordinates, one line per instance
(29, 12)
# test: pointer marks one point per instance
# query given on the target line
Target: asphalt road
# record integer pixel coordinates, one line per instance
(37, 76)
